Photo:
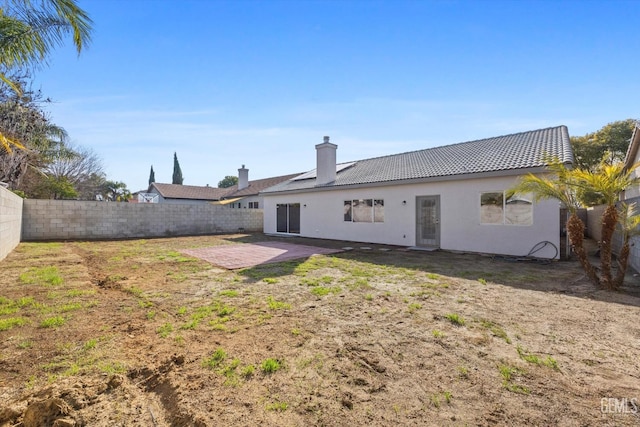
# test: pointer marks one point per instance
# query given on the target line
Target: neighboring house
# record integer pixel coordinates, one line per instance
(453, 197)
(633, 157)
(245, 194)
(632, 195)
(176, 193)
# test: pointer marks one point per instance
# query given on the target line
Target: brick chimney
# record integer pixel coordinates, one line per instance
(243, 178)
(325, 162)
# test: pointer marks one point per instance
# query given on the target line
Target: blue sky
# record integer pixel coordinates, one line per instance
(259, 83)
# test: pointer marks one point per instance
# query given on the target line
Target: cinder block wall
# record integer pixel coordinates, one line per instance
(10, 221)
(69, 219)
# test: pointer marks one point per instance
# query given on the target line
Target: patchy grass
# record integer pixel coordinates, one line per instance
(12, 322)
(509, 375)
(216, 359)
(549, 361)
(53, 322)
(277, 406)
(231, 293)
(495, 329)
(455, 319)
(273, 304)
(323, 290)
(270, 365)
(46, 276)
(360, 335)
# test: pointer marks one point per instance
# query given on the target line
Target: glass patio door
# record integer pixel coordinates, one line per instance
(428, 221)
(288, 218)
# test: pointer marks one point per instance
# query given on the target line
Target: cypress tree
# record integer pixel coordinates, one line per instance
(152, 176)
(177, 172)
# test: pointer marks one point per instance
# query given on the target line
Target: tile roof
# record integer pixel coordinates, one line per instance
(195, 192)
(192, 192)
(257, 186)
(502, 153)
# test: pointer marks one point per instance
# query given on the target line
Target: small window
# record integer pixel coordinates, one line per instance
(347, 210)
(378, 210)
(498, 208)
(491, 208)
(363, 210)
(518, 211)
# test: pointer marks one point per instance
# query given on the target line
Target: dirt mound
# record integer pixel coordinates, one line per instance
(102, 401)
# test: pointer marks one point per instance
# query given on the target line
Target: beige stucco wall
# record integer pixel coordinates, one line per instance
(10, 221)
(461, 229)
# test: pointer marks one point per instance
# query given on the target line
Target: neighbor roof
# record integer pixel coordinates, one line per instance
(192, 192)
(257, 186)
(195, 192)
(502, 153)
(632, 151)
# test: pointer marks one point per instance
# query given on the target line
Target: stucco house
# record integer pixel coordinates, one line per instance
(633, 157)
(245, 194)
(183, 194)
(453, 197)
(632, 195)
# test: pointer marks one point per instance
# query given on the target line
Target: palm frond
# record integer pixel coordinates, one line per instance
(6, 143)
(629, 219)
(30, 30)
(558, 184)
(609, 180)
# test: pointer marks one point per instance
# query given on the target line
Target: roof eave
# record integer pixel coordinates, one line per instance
(632, 151)
(459, 177)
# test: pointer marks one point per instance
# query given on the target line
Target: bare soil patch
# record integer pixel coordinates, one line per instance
(138, 333)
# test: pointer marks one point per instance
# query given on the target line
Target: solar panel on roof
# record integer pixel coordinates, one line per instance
(312, 173)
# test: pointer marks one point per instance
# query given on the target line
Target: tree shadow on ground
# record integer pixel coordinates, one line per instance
(561, 277)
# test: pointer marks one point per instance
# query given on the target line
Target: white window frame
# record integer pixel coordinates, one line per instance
(506, 215)
(375, 213)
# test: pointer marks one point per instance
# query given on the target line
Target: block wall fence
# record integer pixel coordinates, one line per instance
(10, 221)
(86, 220)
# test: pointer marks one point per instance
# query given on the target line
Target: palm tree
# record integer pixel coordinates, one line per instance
(21, 116)
(561, 185)
(608, 181)
(29, 30)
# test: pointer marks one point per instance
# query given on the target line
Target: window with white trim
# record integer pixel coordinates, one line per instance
(500, 208)
(364, 210)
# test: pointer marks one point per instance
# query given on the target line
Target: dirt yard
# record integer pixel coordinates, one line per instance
(137, 333)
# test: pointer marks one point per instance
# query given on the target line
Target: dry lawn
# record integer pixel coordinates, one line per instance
(136, 333)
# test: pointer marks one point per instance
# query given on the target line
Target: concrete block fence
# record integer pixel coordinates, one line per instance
(10, 221)
(82, 220)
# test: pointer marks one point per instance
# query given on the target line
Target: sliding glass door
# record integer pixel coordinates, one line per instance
(288, 218)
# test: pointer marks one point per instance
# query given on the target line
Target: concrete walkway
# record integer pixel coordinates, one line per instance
(251, 254)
